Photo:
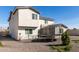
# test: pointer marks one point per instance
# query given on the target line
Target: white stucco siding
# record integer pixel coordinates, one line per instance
(51, 22)
(65, 29)
(25, 18)
(42, 22)
(24, 36)
(22, 19)
(57, 29)
(13, 26)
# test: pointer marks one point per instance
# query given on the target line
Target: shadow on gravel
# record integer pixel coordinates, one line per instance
(6, 38)
(42, 40)
(55, 45)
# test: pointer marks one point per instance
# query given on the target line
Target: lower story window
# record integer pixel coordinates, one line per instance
(28, 31)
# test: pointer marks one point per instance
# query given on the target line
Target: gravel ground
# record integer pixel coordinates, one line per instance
(75, 47)
(10, 45)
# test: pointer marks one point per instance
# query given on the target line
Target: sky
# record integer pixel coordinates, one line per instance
(67, 15)
(4, 15)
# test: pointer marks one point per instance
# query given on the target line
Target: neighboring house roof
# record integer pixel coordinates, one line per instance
(60, 25)
(73, 32)
(55, 25)
(45, 18)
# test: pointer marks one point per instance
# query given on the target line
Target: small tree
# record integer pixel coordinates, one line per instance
(65, 38)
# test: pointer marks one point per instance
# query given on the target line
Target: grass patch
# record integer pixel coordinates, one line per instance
(1, 45)
(62, 48)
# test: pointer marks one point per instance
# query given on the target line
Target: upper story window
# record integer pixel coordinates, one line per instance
(46, 22)
(34, 16)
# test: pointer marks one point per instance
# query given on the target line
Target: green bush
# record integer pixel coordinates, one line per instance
(65, 38)
(1, 45)
(68, 48)
(63, 48)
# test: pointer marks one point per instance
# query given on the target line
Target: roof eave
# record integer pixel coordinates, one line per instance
(10, 16)
(28, 8)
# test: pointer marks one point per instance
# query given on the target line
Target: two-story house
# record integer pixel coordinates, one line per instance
(25, 22)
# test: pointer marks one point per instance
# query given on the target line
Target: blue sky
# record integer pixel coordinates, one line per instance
(68, 15)
(4, 14)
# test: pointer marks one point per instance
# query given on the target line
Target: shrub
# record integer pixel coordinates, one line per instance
(65, 38)
(60, 48)
(1, 45)
(67, 48)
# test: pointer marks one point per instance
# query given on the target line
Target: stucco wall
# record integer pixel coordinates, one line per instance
(57, 29)
(42, 22)
(25, 18)
(13, 26)
(24, 36)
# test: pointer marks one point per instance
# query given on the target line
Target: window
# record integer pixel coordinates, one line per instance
(34, 16)
(46, 21)
(61, 30)
(28, 31)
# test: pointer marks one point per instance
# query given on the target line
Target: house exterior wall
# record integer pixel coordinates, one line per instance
(25, 19)
(13, 26)
(57, 32)
(57, 29)
(42, 22)
(24, 36)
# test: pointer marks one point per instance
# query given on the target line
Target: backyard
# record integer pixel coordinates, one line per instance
(10, 45)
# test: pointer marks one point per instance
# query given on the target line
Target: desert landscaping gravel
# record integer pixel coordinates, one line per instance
(10, 45)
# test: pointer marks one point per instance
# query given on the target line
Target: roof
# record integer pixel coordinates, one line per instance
(73, 32)
(10, 15)
(21, 7)
(26, 7)
(60, 25)
(45, 18)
